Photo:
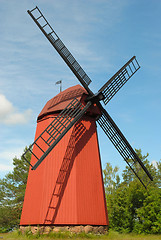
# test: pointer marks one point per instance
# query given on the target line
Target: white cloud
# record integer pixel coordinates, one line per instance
(5, 167)
(8, 155)
(9, 115)
(5, 107)
(6, 158)
(154, 163)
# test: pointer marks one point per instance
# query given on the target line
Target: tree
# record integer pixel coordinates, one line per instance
(12, 191)
(117, 205)
(132, 208)
(129, 176)
(111, 178)
(157, 179)
(149, 215)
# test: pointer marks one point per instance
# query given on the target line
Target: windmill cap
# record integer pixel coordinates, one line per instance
(60, 101)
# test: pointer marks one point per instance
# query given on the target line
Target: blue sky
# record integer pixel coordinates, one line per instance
(102, 35)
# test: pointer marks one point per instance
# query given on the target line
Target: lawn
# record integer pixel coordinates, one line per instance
(110, 236)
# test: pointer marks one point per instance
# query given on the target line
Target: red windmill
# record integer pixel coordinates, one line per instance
(67, 188)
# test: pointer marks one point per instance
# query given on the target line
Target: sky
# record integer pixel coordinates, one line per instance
(102, 35)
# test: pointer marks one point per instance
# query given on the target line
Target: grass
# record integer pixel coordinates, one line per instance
(66, 235)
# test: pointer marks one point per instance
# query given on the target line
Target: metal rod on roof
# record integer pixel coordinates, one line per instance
(59, 82)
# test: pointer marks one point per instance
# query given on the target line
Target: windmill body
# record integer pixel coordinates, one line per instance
(67, 188)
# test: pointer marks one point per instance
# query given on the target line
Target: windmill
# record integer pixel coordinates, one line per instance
(66, 131)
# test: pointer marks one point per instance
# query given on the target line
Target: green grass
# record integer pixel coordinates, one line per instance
(66, 235)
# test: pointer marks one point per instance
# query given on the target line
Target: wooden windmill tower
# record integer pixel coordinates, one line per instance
(67, 186)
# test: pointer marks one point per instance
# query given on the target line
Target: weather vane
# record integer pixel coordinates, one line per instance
(59, 82)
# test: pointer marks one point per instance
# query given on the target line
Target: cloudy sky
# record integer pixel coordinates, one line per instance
(102, 35)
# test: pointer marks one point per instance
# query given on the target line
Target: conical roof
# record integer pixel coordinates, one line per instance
(60, 101)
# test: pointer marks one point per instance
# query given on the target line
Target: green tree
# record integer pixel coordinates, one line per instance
(12, 190)
(117, 205)
(149, 215)
(157, 178)
(130, 206)
(111, 178)
(116, 199)
(129, 176)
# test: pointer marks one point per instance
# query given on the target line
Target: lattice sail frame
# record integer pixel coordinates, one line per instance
(124, 148)
(105, 93)
(56, 130)
(119, 79)
(56, 42)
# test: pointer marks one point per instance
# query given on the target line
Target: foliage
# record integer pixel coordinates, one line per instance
(131, 207)
(149, 215)
(12, 190)
(111, 178)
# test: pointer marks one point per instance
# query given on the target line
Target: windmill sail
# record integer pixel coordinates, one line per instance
(119, 79)
(56, 130)
(124, 148)
(70, 115)
(56, 42)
